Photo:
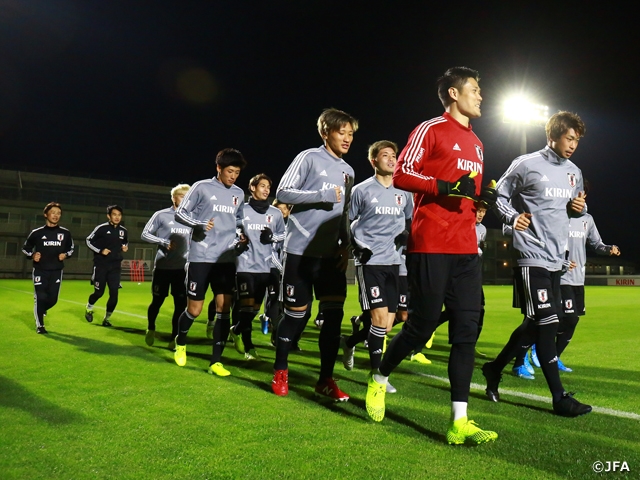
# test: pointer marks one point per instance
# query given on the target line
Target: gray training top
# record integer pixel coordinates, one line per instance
(481, 234)
(542, 184)
(378, 215)
(582, 231)
(162, 230)
(258, 257)
(205, 200)
(317, 224)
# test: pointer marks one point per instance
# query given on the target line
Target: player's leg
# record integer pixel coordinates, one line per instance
(99, 282)
(40, 294)
(179, 294)
(260, 286)
(159, 290)
(113, 282)
(572, 308)
(222, 280)
(196, 286)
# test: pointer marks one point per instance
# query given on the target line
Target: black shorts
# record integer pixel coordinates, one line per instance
(305, 275)
(221, 277)
(165, 279)
(106, 275)
(252, 285)
(540, 297)
(573, 299)
(378, 286)
(403, 288)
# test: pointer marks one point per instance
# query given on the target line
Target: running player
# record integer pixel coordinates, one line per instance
(538, 195)
(379, 214)
(318, 185)
(213, 209)
(47, 246)
(264, 227)
(172, 240)
(442, 165)
(108, 242)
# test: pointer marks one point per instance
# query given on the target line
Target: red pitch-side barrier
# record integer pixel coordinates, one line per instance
(136, 272)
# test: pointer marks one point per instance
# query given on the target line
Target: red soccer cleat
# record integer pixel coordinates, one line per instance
(280, 382)
(329, 388)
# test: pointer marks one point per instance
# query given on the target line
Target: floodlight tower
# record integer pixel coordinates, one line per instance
(522, 112)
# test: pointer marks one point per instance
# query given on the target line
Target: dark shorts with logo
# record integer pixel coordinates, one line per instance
(378, 286)
(403, 288)
(305, 275)
(573, 299)
(539, 292)
(253, 285)
(221, 277)
(173, 279)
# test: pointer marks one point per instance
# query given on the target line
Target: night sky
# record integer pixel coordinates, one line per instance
(152, 90)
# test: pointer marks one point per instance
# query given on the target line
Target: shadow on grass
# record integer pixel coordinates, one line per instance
(14, 395)
(103, 348)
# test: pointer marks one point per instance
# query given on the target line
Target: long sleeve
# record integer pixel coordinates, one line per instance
(408, 175)
(289, 190)
(150, 230)
(29, 246)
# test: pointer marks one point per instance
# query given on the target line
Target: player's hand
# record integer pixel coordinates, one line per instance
(338, 194)
(62, 256)
(343, 259)
(401, 239)
(125, 248)
(615, 251)
(572, 265)
(266, 236)
(171, 245)
(242, 246)
(105, 252)
(209, 225)
(463, 187)
(37, 256)
(578, 203)
(522, 222)
(488, 195)
(362, 254)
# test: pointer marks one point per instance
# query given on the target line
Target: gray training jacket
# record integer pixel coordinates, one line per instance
(259, 257)
(317, 225)
(161, 230)
(205, 200)
(542, 184)
(582, 231)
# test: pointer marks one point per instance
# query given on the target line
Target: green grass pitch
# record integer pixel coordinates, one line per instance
(87, 402)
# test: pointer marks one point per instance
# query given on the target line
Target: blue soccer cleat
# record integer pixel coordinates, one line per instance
(264, 324)
(527, 364)
(522, 372)
(563, 368)
(534, 356)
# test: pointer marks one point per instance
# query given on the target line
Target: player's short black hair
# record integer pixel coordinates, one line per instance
(561, 122)
(256, 179)
(49, 206)
(230, 157)
(111, 208)
(374, 149)
(454, 77)
(332, 119)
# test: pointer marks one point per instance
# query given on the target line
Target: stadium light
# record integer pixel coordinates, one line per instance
(521, 111)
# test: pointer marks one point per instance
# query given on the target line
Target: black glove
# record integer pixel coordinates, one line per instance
(266, 236)
(362, 254)
(241, 247)
(463, 187)
(401, 240)
(488, 195)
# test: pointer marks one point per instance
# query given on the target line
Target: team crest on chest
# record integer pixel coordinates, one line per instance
(479, 153)
(61, 236)
(375, 292)
(585, 225)
(572, 179)
(345, 177)
(542, 295)
(399, 199)
(121, 233)
(235, 200)
(268, 218)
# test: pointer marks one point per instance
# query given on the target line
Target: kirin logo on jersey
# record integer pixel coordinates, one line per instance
(572, 179)
(268, 218)
(290, 290)
(479, 153)
(375, 292)
(542, 295)
(399, 199)
(235, 200)
(192, 286)
(61, 236)
(568, 304)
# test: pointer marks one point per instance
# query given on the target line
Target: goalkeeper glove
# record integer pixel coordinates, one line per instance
(463, 187)
(401, 239)
(266, 236)
(362, 254)
(241, 247)
(488, 195)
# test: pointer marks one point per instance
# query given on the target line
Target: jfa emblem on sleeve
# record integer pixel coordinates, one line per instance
(479, 153)
(542, 295)
(192, 286)
(290, 290)
(568, 304)
(61, 236)
(235, 200)
(572, 179)
(399, 199)
(268, 218)
(375, 292)
(121, 233)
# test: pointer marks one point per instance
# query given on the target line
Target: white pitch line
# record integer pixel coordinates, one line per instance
(538, 398)
(120, 312)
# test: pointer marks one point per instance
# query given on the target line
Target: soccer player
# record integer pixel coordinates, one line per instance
(318, 184)
(108, 241)
(172, 240)
(582, 232)
(537, 195)
(264, 227)
(213, 209)
(47, 246)
(442, 166)
(379, 214)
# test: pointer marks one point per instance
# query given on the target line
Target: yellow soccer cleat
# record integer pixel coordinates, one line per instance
(430, 342)
(464, 429)
(420, 358)
(219, 370)
(150, 337)
(180, 355)
(375, 399)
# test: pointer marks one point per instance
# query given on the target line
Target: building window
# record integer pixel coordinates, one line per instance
(76, 220)
(11, 249)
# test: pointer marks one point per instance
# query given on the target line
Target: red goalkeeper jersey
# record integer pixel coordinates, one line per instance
(440, 149)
